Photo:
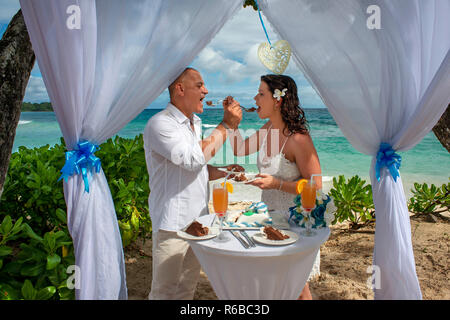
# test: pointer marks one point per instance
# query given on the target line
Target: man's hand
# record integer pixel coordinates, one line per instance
(215, 173)
(232, 115)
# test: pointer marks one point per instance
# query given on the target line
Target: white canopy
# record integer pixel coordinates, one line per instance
(104, 61)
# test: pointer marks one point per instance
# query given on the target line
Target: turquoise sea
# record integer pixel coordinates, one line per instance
(427, 162)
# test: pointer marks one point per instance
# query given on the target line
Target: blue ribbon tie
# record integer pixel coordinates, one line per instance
(386, 157)
(81, 160)
(262, 22)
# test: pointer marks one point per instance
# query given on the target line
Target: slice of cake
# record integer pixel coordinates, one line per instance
(274, 234)
(197, 229)
(240, 177)
(235, 169)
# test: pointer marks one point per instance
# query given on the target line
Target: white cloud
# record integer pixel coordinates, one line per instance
(212, 61)
(239, 33)
(36, 91)
(8, 9)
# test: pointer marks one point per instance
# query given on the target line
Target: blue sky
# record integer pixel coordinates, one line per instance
(229, 64)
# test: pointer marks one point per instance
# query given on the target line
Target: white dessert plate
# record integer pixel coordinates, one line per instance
(261, 238)
(213, 232)
(250, 178)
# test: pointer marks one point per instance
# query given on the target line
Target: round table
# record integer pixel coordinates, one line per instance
(259, 273)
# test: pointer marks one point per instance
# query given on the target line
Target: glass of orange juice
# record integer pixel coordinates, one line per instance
(220, 204)
(309, 204)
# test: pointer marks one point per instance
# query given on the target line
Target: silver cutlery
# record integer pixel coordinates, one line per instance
(246, 236)
(237, 236)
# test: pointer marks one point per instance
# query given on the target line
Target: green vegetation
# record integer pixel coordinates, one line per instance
(43, 106)
(36, 248)
(35, 245)
(250, 3)
(34, 267)
(429, 199)
(353, 200)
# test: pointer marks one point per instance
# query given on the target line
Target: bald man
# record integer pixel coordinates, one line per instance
(178, 177)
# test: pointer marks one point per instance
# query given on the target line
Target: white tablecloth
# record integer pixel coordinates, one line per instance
(260, 273)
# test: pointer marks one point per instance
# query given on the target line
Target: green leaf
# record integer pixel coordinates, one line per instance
(66, 294)
(124, 225)
(135, 220)
(30, 233)
(5, 250)
(50, 241)
(52, 261)
(61, 215)
(7, 292)
(46, 293)
(28, 292)
(6, 225)
(32, 270)
(17, 226)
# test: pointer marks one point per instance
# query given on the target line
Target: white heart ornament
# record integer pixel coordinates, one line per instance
(275, 58)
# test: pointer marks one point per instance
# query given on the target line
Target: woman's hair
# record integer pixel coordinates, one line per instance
(291, 112)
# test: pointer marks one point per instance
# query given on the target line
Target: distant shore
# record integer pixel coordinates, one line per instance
(36, 107)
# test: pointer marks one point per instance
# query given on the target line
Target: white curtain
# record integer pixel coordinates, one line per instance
(381, 85)
(102, 63)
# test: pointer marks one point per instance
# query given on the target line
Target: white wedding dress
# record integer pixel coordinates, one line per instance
(280, 167)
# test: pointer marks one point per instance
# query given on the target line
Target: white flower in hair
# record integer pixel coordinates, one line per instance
(278, 94)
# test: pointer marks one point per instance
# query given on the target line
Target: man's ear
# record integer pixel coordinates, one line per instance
(179, 89)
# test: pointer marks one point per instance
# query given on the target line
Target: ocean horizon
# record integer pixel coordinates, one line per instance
(428, 162)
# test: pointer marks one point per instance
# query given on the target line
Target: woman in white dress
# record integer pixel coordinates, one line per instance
(286, 150)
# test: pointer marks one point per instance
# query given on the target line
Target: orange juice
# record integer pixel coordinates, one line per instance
(220, 201)
(309, 196)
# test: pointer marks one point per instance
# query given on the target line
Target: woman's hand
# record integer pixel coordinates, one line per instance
(266, 181)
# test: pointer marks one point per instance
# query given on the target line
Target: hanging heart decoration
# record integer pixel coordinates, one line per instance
(275, 57)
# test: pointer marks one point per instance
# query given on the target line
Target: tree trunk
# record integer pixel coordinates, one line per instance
(442, 129)
(16, 61)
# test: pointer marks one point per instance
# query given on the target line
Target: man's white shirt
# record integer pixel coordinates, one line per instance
(178, 173)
